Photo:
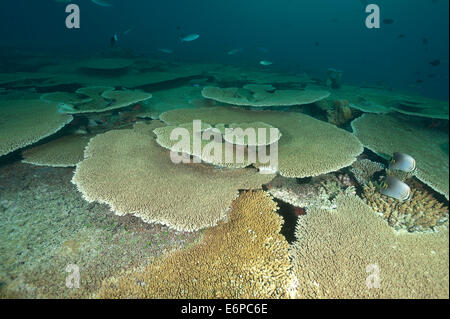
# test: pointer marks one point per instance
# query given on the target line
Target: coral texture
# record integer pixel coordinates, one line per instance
(23, 123)
(128, 170)
(341, 254)
(245, 257)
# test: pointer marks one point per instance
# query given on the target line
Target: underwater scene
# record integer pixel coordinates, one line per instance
(238, 149)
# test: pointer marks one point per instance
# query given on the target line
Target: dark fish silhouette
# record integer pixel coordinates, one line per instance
(419, 81)
(425, 41)
(317, 43)
(401, 36)
(388, 21)
(113, 40)
(435, 62)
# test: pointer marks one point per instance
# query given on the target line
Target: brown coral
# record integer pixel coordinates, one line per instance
(422, 212)
(245, 257)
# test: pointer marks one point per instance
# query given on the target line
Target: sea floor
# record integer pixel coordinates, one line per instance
(76, 132)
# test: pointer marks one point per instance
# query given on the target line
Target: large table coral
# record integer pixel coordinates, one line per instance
(349, 252)
(128, 170)
(307, 147)
(24, 122)
(384, 135)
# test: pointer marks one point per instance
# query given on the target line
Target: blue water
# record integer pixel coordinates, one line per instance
(298, 35)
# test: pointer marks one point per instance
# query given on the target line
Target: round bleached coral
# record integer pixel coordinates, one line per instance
(307, 147)
(261, 98)
(129, 171)
(24, 122)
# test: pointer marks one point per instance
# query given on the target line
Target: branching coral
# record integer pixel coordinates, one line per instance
(245, 257)
(422, 212)
(349, 252)
(364, 169)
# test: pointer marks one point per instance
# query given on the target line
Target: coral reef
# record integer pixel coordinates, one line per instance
(422, 212)
(64, 151)
(46, 225)
(364, 169)
(24, 122)
(341, 113)
(129, 171)
(352, 253)
(318, 192)
(245, 257)
(384, 135)
(332, 148)
(255, 96)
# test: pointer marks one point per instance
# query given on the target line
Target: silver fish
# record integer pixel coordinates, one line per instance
(233, 52)
(402, 162)
(190, 37)
(168, 51)
(395, 188)
(265, 62)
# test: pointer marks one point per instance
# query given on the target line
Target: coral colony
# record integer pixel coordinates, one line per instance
(162, 175)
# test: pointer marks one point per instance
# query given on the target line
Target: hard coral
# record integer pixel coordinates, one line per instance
(246, 257)
(422, 212)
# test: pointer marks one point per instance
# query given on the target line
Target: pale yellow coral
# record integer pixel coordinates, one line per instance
(128, 170)
(307, 147)
(245, 257)
(64, 151)
(342, 253)
(384, 135)
(422, 212)
(24, 122)
(260, 97)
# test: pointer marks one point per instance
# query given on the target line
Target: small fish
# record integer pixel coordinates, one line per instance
(419, 81)
(102, 3)
(190, 37)
(431, 76)
(233, 52)
(402, 162)
(388, 21)
(395, 188)
(128, 31)
(263, 50)
(401, 36)
(114, 39)
(425, 41)
(264, 62)
(65, 108)
(168, 51)
(317, 43)
(435, 62)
